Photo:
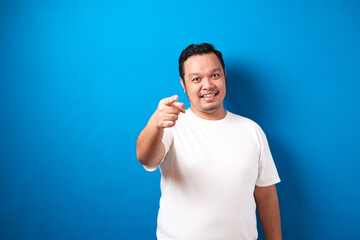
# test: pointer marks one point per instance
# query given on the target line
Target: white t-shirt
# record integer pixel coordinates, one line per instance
(208, 176)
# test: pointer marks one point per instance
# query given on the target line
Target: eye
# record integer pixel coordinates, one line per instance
(196, 79)
(215, 75)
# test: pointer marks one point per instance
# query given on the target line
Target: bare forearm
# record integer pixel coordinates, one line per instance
(269, 212)
(149, 147)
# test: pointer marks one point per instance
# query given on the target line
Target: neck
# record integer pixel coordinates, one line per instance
(216, 115)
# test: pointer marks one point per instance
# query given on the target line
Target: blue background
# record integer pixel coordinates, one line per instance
(79, 80)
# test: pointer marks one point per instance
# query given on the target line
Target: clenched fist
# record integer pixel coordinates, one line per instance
(168, 111)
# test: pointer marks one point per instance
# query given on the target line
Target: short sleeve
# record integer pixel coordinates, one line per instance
(267, 172)
(167, 141)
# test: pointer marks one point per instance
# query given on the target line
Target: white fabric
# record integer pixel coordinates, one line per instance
(208, 176)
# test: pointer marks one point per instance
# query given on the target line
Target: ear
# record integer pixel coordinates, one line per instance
(183, 84)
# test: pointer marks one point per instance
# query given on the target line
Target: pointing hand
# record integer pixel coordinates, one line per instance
(168, 111)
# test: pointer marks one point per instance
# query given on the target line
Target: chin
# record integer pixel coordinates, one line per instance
(210, 109)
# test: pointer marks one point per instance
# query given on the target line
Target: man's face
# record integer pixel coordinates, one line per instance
(205, 85)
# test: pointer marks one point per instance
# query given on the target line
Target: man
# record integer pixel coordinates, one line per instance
(216, 167)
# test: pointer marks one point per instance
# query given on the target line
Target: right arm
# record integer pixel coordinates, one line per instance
(149, 147)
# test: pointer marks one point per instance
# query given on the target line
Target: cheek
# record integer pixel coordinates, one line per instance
(223, 86)
(194, 90)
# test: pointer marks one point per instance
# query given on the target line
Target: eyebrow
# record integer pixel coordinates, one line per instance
(193, 74)
(214, 70)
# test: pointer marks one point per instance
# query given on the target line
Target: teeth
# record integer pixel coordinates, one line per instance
(209, 95)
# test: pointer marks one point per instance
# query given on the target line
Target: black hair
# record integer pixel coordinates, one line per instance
(198, 49)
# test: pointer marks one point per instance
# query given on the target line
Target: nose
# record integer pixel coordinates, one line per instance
(207, 83)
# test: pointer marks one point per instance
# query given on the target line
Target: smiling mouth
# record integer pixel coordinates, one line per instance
(209, 95)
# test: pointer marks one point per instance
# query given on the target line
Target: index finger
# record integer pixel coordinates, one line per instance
(170, 100)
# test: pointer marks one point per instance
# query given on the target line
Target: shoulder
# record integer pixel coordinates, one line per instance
(246, 122)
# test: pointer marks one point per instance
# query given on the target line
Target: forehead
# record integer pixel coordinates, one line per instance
(201, 63)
